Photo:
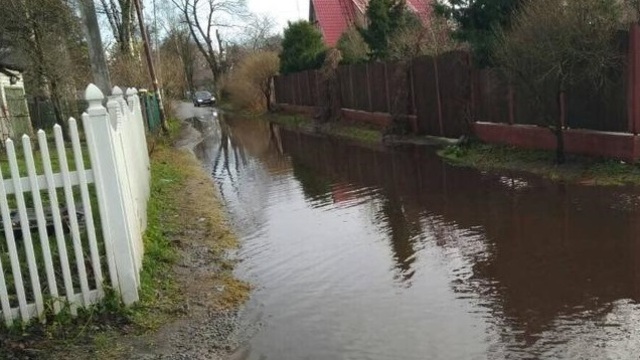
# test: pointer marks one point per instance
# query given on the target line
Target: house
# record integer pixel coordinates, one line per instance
(14, 111)
(334, 17)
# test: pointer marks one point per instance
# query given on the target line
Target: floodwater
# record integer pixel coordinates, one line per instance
(360, 252)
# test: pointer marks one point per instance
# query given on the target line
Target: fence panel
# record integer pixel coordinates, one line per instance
(455, 92)
(26, 239)
(599, 107)
(379, 87)
(360, 87)
(426, 94)
(313, 88)
(306, 88)
(491, 96)
(45, 216)
(530, 108)
(346, 95)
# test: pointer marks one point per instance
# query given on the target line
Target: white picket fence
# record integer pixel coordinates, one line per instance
(47, 214)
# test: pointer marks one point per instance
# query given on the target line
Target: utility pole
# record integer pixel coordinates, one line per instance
(99, 67)
(152, 71)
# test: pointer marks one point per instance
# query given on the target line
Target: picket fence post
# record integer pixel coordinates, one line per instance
(119, 111)
(140, 144)
(100, 130)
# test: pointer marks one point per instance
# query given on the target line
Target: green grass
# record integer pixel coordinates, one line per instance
(348, 131)
(577, 169)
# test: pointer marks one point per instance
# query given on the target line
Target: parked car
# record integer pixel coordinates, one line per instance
(203, 98)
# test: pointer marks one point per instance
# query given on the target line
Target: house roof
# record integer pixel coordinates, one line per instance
(331, 17)
(334, 17)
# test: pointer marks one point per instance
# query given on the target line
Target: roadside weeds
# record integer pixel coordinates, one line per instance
(578, 169)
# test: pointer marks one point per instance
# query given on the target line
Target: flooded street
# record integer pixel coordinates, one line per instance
(360, 252)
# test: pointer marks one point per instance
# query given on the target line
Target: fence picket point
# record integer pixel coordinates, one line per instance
(41, 222)
(73, 215)
(57, 219)
(25, 229)
(86, 201)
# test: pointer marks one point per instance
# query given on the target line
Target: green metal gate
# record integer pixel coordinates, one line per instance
(151, 111)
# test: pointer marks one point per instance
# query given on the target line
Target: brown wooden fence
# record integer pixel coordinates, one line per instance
(448, 93)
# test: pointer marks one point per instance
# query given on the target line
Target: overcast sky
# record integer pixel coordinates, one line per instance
(281, 10)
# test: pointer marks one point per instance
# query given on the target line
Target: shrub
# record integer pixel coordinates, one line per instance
(302, 48)
(353, 47)
(250, 86)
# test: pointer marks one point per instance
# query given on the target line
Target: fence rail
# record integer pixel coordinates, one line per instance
(65, 225)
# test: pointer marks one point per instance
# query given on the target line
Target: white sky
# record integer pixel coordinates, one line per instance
(281, 10)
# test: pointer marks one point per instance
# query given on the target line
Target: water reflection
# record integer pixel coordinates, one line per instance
(481, 265)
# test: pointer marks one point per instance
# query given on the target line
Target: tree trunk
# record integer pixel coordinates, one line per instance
(560, 156)
(267, 97)
(57, 106)
(126, 28)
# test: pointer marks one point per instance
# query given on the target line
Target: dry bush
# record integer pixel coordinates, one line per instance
(132, 71)
(431, 39)
(172, 77)
(129, 71)
(250, 85)
(353, 47)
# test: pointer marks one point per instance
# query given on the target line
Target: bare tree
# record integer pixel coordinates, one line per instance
(178, 44)
(204, 19)
(555, 44)
(120, 14)
(46, 33)
(258, 32)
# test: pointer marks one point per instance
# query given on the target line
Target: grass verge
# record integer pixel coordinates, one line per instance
(346, 131)
(577, 169)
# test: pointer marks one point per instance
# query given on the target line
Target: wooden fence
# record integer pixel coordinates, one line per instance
(447, 94)
(65, 223)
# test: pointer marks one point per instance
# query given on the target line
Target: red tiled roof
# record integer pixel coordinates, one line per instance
(335, 16)
(331, 18)
(422, 8)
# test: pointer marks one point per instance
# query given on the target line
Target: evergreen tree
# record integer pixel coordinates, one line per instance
(302, 48)
(478, 22)
(385, 19)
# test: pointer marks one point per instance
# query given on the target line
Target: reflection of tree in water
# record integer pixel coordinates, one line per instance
(545, 259)
(533, 253)
(315, 187)
(318, 165)
(242, 177)
(402, 232)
